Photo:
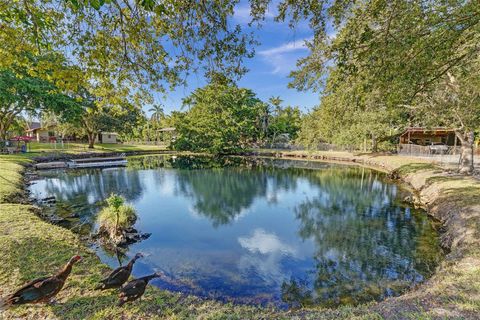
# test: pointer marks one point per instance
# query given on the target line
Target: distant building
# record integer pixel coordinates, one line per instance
(168, 135)
(107, 137)
(427, 141)
(39, 133)
(429, 136)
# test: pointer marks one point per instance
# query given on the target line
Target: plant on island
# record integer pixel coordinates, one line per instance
(116, 220)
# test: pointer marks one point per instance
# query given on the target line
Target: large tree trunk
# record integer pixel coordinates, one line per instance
(5, 125)
(3, 132)
(91, 140)
(466, 164)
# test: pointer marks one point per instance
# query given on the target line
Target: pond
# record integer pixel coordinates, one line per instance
(261, 231)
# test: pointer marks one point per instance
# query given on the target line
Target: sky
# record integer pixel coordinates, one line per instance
(280, 48)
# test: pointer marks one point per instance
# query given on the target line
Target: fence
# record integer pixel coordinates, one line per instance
(417, 150)
(318, 147)
(449, 157)
(146, 143)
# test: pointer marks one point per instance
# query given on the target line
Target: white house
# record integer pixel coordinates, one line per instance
(107, 137)
(39, 133)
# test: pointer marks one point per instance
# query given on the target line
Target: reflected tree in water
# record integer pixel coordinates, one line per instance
(219, 194)
(297, 294)
(222, 194)
(365, 247)
(82, 192)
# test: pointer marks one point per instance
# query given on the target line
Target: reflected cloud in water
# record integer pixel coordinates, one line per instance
(265, 243)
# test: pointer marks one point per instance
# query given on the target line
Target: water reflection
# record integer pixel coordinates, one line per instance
(367, 245)
(81, 193)
(221, 195)
(260, 231)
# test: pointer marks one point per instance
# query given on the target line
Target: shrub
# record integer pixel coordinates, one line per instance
(107, 218)
(116, 219)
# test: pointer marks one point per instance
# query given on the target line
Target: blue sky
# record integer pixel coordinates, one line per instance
(275, 57)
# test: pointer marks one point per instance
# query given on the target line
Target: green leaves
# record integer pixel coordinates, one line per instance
(386, 60)
(97, 3)
(22, 93)
(150, 5)
(222, 119)
(115, 201)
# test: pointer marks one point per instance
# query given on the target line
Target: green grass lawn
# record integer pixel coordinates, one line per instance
(31, 247)
(11, 167)
(36, 147)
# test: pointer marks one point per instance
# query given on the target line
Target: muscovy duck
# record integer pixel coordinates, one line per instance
(118, 276)
(42, 289)
(135, 288)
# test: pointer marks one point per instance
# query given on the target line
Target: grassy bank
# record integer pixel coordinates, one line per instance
(31, 247)
(39, 148)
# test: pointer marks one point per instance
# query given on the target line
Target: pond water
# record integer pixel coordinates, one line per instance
(262, 231)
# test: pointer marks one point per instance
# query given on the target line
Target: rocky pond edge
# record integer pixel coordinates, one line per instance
(453, 291)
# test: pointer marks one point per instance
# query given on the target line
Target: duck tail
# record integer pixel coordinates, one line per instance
(100, 286)
(4, 304)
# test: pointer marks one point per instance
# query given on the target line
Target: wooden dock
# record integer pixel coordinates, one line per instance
(96, 162)
(51, 165)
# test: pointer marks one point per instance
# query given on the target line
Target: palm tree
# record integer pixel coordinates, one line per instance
(265, 118)
(157, 112)
(276, 102)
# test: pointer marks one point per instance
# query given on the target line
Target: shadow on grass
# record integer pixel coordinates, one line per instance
(10, 182)
(416, 167)
(441, 179)
(462, 196)
(86, 307)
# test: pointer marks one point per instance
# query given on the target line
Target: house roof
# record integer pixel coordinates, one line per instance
(38, 126)
(34, 126)
(434, 130)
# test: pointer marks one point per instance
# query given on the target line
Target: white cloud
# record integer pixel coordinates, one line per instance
(285, 48)
(265, 243)
(265, 252)
(283, 58)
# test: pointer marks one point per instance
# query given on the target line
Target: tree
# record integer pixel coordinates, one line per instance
(115, 219)
(97, 116)
(401, 49)
(350, 114)
(285, 120)
(22, 93)
(222, 119)
(139, 46)
(264, 119)
(115, 202)
(127, 50)
(157, 112)
(276, 102)
(455, 103)
(155, 120)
